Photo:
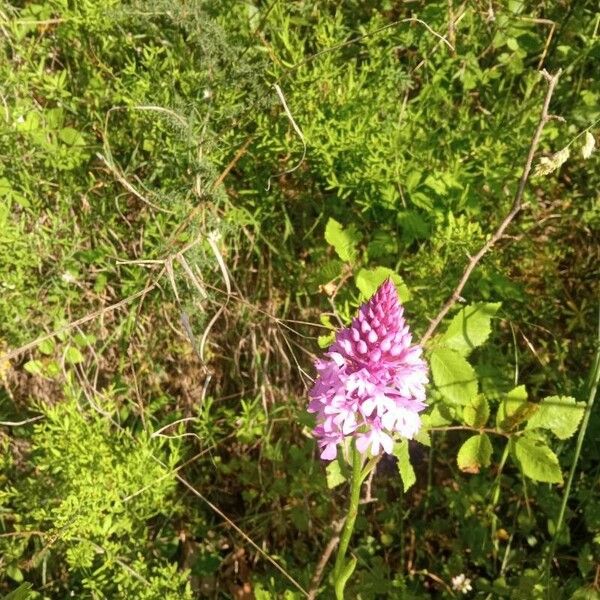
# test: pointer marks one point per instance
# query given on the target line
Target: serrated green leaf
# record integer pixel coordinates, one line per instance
(475, 453)
(407, 473)
(477, 412)
(325, 341)
(537, 461)
(334, 473)
(454, 377)
(368, 280)
(344, 241)
(439, 416)
(560, 414)
(326, 321)
(470, 327)
(423, 437)
(514, 409)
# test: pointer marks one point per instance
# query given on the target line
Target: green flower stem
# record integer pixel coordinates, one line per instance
(342, 570)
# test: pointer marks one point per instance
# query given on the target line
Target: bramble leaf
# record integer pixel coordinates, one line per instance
(470, 327)
(514, 409)
(477, 412)
(537, 460)
(560, 414)
(475, 453)
(454, 377)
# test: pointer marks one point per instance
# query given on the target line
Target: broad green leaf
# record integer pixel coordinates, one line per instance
(514, 409)
(560, 414)
(537, 460)
(334, 473)
(344, 241)
(368, 280)
(407, 473)
(475, 453)
(439, 416)
(477, 412)
(412, 180)
(470, 327)
(454, 376)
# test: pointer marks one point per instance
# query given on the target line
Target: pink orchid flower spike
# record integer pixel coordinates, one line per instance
(371, 381)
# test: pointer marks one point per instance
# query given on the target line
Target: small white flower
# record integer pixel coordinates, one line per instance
(207, 94)
(68, 277)
(461, 583)
(547, 165)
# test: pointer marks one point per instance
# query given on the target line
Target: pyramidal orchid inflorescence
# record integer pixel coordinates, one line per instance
(371, 381)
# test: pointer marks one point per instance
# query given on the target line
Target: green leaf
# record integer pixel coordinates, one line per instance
(439, 416)
(325, 341)
(35, 367)
(454, 376)
(560, 414)
(21, 593)
(477, 412)
(586, 593)
(537, 460)
(470, 327)
(73, 356)
(368, 280)
(46, 346)
(14, 572)
(475, 453)
(334, 473)
(344, 241)
(71, 137)
(407, 473)
(343, 576)
(423, 437)
(514, 409)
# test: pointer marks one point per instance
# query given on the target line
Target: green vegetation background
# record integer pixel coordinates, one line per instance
(212, 153)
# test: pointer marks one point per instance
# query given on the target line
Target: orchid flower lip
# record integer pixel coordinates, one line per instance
(371, 381)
